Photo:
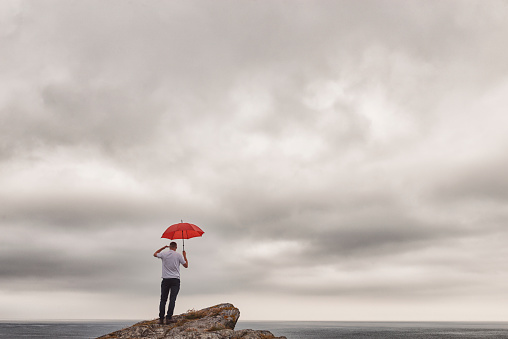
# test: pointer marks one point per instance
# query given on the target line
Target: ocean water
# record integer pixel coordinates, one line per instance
(61, 329)
(290, 329)
(379, 330)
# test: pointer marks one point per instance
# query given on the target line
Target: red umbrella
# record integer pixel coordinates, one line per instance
(182, 230)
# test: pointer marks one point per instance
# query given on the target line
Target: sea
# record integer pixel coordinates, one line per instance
(289, 329)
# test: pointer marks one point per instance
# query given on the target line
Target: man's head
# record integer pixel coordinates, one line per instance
(172, 246)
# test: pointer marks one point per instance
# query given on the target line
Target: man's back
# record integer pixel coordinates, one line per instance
(171, 261)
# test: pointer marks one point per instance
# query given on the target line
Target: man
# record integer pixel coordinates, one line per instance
(171, 261)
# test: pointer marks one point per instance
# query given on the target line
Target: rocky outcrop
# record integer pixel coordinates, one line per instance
(216, 322)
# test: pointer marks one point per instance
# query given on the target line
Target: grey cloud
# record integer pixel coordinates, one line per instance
(47, 270)
(76, 114)
(81, 210)
(481, 181)
(381, 238)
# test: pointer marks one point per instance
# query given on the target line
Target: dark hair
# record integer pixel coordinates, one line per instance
(172, 244)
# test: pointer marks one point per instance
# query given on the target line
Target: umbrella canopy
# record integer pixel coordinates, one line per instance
(182, 230)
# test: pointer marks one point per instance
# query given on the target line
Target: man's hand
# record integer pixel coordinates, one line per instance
(186, 265)
(159, 250)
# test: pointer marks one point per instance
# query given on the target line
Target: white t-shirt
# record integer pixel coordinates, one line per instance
(171, 261)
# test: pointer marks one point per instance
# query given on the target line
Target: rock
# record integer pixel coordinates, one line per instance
(216, 322)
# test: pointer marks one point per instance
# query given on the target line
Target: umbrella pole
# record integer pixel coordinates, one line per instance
(183, 240)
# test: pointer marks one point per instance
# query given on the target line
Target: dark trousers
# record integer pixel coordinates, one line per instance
(168, 285)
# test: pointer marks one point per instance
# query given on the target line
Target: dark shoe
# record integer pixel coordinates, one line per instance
(161, 321)
(170, 321)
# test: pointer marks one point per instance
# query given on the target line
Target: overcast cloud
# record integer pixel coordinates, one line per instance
(346, 159)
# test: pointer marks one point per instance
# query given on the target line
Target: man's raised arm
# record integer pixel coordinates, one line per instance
(159, 250)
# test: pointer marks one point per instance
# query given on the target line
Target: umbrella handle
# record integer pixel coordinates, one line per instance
(183, 241)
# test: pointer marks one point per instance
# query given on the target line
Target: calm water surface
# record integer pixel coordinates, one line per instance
(63, 329)
(380, 330)
(290, 329)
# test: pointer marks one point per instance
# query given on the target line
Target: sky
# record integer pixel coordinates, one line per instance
(346, 159)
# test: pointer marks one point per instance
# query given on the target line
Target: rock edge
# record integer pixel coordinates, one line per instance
(215, 322)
